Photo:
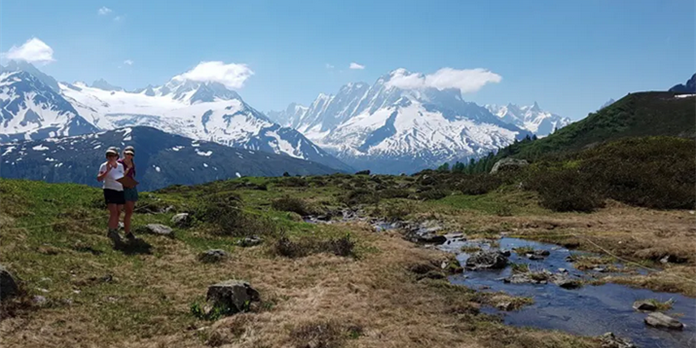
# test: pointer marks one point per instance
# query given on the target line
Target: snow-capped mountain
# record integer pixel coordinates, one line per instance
(288, 117)
(30, 108)
(531, 118)
(162, 159)
(199, 110)
(389, 130)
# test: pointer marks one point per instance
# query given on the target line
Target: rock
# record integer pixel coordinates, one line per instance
(426, 233)
(181, 220)
(565, 282)
(534, 257)
(250, 241)
(39, 300)
(672, 259)
(660, 320)
(8, 286)
(506, 253)
(644, 305)
(505, 306)
(489, 259)
(569, 259)
(160, 229)
(611, 341)
(538, 254)
(600, 269)
(212, 255)
(563, 270)
(232, 296)
(518, 278)
(508, 164)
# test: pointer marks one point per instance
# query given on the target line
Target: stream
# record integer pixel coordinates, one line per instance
(590, 310)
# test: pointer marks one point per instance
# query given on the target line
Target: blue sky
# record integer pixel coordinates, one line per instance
(570, 56)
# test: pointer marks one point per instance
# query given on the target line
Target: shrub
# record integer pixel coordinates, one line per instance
(479, 184)
(291, 204)
(286, 247)
(394, 193)
(293, 182)
(360, 196)
(566, 190)
(224, 213)
(432, 195)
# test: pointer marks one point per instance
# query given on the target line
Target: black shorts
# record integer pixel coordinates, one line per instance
(114, 197)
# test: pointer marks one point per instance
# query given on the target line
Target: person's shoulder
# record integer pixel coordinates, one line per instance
(103, 165)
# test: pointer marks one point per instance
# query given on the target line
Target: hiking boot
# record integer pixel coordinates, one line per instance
(130, 236)
(114, 236)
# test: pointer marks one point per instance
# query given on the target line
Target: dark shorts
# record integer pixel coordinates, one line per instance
(130, 194)
(114, 197)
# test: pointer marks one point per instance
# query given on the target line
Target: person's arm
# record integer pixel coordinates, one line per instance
(103, 171)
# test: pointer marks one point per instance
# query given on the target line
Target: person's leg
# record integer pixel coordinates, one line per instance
(113, 216)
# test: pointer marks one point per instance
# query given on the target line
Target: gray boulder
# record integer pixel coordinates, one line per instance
(508, 164)
(564, 281)
(181, 220)
(8, 286)
(231, 296)
(660, 320)
(487, 259)
(159, 229)
(212, 255)
(644, 305)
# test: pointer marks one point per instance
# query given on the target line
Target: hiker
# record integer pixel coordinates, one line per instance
(109, 172)
(130, 193)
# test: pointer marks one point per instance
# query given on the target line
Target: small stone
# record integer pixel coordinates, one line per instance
(611, 341)
(644, 306)
(505, 306)
(39, 300)
(563, 270)
(181, 220)
(212, 255)
(8, 286)
(660, 320)
(160, 230)
(250, 241)
(600, 269)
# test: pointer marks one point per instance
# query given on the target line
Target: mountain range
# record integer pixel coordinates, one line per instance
(689, 87)
(162, 159)
(35, 106)
(387, 128)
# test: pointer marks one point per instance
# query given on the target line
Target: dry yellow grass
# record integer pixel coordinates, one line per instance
(317, 300)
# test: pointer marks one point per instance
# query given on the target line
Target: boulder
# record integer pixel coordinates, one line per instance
(564, 281)
(644, 305)
(660, 320)
(426, 233)
(488, 259)
(212, 255)
(250, 241)
(508, 164)
(8, 286)
(231, 296)
(181, 220)
(611, 341)
(160, 230)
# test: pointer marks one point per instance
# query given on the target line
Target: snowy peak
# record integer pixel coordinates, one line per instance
(31, 109)
(102, 84)
(32, 70)
(532, 118)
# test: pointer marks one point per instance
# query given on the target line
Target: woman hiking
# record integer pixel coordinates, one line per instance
(130, 193)
(109, 172)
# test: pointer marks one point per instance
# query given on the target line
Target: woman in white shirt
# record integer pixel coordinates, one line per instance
(109, 172)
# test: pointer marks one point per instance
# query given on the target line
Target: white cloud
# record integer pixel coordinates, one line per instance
(128, 62)
(356, 66)
(466, 80)
(329, 66)
(117, 18)
(231, 75)
(32, 51)
(104, 11)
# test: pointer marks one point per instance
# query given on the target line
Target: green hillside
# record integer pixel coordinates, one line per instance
(635, 115)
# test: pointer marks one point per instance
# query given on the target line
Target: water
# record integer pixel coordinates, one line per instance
(590, 310)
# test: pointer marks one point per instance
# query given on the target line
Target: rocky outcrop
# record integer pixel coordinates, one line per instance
(426, 232)
(609, 340)
(487, 259)
(231, 296)
(506, 164)
(660, 320)
(644, 305)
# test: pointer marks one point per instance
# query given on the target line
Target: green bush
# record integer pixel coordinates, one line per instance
(479, 184)
(394, 193)
(225, 214)
(360, 196)
(292, 204)
(565, 190)
(286, 247)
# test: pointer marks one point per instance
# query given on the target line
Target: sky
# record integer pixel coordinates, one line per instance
(569, 56)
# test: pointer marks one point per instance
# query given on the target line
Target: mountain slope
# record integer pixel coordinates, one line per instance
(32, 109)
(198, 110)
(635, 115)
(531, 118)
(689, 87)
(162, 159)
(389, 130)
